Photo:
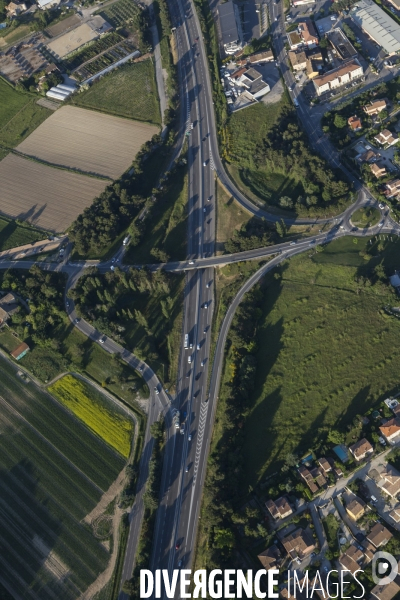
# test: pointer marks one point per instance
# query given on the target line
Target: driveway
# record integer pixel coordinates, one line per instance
(271, 75)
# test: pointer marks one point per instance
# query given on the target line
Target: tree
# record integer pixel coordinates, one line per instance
(285, 202)
(335, 437)
(339, 121)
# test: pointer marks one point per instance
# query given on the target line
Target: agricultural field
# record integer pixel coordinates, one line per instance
(23, 123)
(11, 102)
(105, 60)
(85, 402)
(45, 197)
(120, 12)
(13, 234)
(88, 141)
(92, 50)
(129, 91)
(326, 350)
(53, 473)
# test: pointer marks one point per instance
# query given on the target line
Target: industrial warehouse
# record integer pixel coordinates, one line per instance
(377, 24)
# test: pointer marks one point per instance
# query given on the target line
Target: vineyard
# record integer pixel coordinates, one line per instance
(92, 50)
(120, 12)
(111, 425)
(53, 472)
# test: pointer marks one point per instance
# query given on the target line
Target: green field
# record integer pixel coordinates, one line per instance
(366, 217)
(53, 473)
(13, 235)
(19, 115)
(129, 91)
(326, 350)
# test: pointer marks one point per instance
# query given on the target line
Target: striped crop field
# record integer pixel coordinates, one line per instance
(110, 424)
(53, 472)
(87, 140)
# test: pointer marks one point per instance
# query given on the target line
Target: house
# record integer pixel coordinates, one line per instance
(369, 156)
(299, 544)
(352, 559)
(392, 188)
(395, 514)
(389, 482)
(374, 108)
(252, 81)
(280, 509)
(391, 430)
(354, 123)
(15, 8)
(386, 138)
(338, 472)
(308, 478)
(294, 40)
(298, 60)
(361, 449)
(301, 589)
(313, 67)
(386, 591)
(308, 34)
(270, 558)
(20, 351)
(324, 464)
(355, 509)
(378, 170)
(346, 73)
(318, 476)
(261, 58)
(379, 535)
(8, 306)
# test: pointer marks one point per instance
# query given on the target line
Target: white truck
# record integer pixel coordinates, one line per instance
(126, 240)
(186, 345)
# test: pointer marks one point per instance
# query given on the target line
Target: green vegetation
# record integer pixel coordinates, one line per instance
(91, 407)
(120, 12)
(53, 473)
(19, 115)
(73, 61)
(13, 234)
(55, 344)
(160, 235)
(128, 91)
(150, 500)
(140, 309)
(230, 217)
(366, 217)
(263, 144)
(294, 363)
(331, 527)
(23, 24)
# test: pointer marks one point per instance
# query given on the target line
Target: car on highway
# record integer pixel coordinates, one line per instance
(113, 260)
(205, 305)
(190, 437)
(157, 391)
(191, 262)
(292, 243)
(381, 223)
(103, 339)
(112, 267)
(198, 346)
(203, 362)
(177, 546)
(209, 284)
(209, 198)
(204, 209)
(77, 320)
(189, 359)
(205, 330)
(204, 164)
(141, 368)
(312, 243)
(187, 470)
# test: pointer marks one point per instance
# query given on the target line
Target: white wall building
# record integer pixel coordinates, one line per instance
(338, 77)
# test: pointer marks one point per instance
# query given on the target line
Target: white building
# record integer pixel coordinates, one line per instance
(46, 4)
(336, 78)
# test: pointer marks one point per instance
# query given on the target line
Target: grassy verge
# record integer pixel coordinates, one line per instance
(231, 216)
(128, 91)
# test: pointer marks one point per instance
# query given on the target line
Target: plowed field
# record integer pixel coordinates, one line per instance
(89, 141)
(46, 197)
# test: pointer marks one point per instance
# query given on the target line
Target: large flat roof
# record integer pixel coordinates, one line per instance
(340, 42)
(378, 24)
(229, 30)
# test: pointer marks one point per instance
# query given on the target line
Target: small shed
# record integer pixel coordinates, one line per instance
(20, 351)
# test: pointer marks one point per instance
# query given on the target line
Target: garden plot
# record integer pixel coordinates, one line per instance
(89, 141)
(46, 197)
(53, 472)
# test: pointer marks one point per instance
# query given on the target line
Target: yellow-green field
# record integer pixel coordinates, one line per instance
(88, 405)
